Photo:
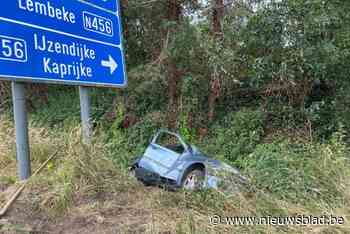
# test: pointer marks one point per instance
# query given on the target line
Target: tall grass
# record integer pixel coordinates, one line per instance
(288, 179)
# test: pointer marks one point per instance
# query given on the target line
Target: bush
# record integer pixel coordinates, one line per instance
(301, 172)
(62, 108)
(126, 144)
(342, 110)
(323, 116)
(237, 135)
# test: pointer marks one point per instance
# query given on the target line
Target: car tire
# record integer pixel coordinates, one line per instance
(193, 180)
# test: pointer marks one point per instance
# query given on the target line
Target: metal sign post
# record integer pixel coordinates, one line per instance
(85, 112)
(72, 42)
(21, 126)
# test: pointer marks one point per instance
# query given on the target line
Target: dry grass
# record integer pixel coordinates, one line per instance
(83, 192)
(6, 143)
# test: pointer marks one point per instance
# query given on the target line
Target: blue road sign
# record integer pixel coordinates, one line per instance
(104, 4)
(62, 41)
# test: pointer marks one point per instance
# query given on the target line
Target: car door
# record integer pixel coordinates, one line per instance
(162, 154)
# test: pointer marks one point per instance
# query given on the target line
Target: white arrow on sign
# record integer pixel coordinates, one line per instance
(110, 63)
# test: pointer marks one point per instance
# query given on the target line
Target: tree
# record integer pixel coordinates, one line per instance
(214, 92)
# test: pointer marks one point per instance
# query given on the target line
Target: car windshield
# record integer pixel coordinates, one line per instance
(170, 142)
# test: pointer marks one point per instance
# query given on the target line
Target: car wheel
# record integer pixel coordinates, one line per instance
(193, 180)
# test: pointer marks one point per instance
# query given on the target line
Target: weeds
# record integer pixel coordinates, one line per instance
(289, 178)
(237, 135)
(301, 172)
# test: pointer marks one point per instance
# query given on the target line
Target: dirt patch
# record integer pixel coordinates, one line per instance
(118, 214)
(113, 220)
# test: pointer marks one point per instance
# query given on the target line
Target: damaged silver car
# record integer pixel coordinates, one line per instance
(170, 161)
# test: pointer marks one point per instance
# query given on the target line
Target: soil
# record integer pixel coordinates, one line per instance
(119, 217)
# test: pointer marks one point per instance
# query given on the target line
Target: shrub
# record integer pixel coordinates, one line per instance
(342, 110)
(126, 144)
(238, 134)
(301, 172)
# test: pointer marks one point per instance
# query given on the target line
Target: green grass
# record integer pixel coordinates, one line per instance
(301, 173)
(288, 178)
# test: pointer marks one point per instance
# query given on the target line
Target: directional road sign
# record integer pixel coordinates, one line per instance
(62, 41)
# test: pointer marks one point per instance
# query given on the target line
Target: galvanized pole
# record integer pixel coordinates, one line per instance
(85, 110)
(21, 127)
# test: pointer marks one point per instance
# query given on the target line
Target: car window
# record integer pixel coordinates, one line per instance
(170, 142)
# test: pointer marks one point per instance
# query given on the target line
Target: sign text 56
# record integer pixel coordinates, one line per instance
(13, 49)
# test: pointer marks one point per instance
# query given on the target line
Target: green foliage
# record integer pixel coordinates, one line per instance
(342, 110)
(141, 133)
(293, 40)
(146, 91)
(323, 117)
(301, 172)
(126, 144)
(193, 98)
(185, 131)
(62, 108)
(237, 135)
(182, 48)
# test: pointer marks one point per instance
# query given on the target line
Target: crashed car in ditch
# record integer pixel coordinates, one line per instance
(170, 161)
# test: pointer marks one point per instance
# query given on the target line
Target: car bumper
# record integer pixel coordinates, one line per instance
(153, 178)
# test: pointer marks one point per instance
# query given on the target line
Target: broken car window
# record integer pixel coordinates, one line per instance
(170, 142)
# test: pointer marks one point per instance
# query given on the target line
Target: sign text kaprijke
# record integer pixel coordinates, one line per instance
(76, 69)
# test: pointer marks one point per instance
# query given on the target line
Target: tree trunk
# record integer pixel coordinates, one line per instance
(174, 74)
(214, 87)
(174, 89)
(218, 15)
